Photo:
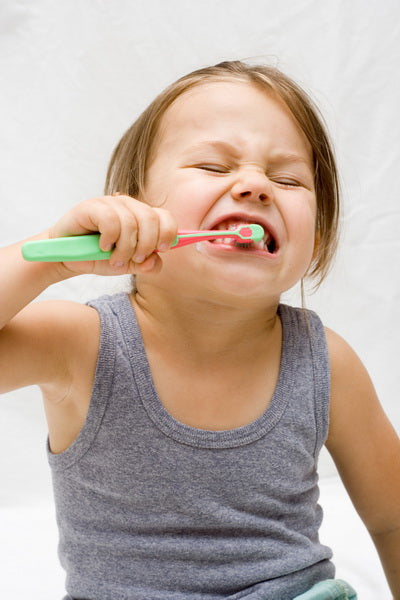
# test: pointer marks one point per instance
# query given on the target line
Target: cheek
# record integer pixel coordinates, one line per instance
(188, 199)
(303, 218)
(302, 227)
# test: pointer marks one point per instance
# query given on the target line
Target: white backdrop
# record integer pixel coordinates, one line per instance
(74, 76)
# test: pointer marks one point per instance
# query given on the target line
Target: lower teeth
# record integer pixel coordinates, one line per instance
(270, 248)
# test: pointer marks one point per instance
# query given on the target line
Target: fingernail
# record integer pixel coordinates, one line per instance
(138, 259)
(163, 247)
(118, 265)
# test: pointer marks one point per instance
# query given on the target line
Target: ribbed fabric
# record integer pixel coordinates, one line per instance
(151, 509)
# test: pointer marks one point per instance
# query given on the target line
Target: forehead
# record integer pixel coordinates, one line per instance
(234, 111)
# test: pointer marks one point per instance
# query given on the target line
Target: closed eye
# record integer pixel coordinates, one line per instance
(287, 182)
(289, 179)
(212, 167)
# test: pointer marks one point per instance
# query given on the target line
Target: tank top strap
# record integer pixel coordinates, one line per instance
(102, 386)
(308, 337)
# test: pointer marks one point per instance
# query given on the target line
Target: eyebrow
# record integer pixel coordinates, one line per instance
(279, 157)
(217, 145)
(286, 157)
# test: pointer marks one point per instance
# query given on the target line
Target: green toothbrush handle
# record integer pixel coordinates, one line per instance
(86, 247)
(73, 248)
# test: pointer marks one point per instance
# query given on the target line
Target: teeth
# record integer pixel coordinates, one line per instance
(242, 244)
(221, 240)
(222, 225)
(231, 225)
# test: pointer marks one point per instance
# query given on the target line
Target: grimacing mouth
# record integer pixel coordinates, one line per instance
(269, 242)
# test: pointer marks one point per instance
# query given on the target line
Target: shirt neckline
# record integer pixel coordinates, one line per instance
(203, 438)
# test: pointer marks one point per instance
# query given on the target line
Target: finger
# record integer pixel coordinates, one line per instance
(168, 229)
(139, 231)
(147, 233)
(151, 264)
(98, 215)
(109, 218)
(125, 245)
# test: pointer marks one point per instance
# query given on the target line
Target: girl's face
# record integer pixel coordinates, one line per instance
(226, 153)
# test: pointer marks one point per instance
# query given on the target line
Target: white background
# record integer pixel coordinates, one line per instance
(75, 74)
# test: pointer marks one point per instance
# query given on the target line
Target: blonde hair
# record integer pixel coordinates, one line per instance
(132, 156)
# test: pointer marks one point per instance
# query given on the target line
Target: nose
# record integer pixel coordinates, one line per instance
(253, 185)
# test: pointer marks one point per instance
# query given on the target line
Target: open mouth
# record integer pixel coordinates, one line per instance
(268, 244)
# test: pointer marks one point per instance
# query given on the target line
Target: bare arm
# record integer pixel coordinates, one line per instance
(21, 281)
(28, 335)
(34, 346)
(366, 450)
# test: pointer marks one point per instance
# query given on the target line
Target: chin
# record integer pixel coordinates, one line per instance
(245, 289)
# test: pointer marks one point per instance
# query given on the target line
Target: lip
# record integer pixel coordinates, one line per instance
(249, 218)
(219, 250)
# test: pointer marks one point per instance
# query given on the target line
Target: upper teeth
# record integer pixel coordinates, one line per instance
(231, 225)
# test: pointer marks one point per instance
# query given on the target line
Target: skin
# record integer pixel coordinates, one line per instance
(213, 162)
(224, 148)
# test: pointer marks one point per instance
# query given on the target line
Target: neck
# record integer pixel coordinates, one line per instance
(202, 329)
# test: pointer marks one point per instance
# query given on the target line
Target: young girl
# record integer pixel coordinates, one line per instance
(185, 419)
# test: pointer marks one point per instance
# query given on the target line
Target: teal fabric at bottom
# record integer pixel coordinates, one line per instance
(331, 589)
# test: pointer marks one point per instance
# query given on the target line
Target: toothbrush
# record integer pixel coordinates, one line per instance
(86, 247)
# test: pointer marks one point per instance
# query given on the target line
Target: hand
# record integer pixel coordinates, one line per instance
(134, 229)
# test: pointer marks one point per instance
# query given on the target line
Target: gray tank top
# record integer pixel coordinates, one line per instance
(149, 508)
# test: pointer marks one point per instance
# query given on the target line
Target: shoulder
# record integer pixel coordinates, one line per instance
(343, 359)
(42, 343)
(351, 386)
(74, 330)
(352, 389)
(57, 321)
(57, 311)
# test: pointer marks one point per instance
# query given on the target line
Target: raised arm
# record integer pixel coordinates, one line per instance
(366, 450)
(27, 331)
(34, 337)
